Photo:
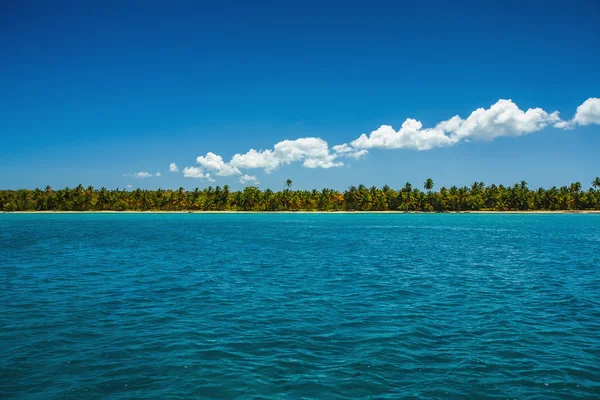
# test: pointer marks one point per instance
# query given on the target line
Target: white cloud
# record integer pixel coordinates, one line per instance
(502, 119)
(129, 186)
(317, 163)
(312, 151)
(213, 162)
(173, 167)
(195, 172)
(256, 159)
(158, 174)
(343, 150)
(410, 136)
(140, 175)
(249, 179)
(589, 112)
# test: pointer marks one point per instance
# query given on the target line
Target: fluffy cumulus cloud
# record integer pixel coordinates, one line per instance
(195, 172)
(158, 174)
(213, 162)
(410, 136)
(255, 159)
(343, 150)
(244, 179)
(588, 113)
(311, 151)
(502, 119)
(173, 167)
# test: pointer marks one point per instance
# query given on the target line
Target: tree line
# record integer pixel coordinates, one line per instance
(477, 197)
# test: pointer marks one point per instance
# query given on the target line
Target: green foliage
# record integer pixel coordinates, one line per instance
(477, 197)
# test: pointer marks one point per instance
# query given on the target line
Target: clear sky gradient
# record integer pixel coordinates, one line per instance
(92, 92)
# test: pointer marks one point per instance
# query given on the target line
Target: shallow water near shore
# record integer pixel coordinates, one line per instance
(328, 306)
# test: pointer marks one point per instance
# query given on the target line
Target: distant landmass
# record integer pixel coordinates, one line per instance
(477, 197)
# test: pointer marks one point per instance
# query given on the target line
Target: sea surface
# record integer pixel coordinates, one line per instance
(290, 306)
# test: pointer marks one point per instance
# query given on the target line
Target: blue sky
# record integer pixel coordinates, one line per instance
(93, 93)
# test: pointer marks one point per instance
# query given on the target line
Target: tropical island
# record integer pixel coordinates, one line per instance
(477, 197)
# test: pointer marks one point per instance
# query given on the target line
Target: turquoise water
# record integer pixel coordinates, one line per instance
(290, 306)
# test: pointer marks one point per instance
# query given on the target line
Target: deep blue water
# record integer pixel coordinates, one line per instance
(290, 306)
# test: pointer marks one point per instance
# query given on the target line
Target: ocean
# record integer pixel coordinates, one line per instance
(290, 306)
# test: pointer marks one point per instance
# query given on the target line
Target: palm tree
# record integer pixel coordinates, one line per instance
(523, 185)
(429, 187)
(406, 196)
(351, 198)
(49, 198)
(288, 183)
(364, 198)
(428, 184)
(575, 188)
(516, 197)
(269, 201)
(225, 197)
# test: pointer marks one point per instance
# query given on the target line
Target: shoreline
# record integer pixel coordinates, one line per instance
(307, 212)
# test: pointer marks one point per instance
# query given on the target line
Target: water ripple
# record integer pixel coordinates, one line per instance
(299, 306)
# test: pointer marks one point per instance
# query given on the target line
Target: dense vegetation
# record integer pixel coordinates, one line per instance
(476, 197)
